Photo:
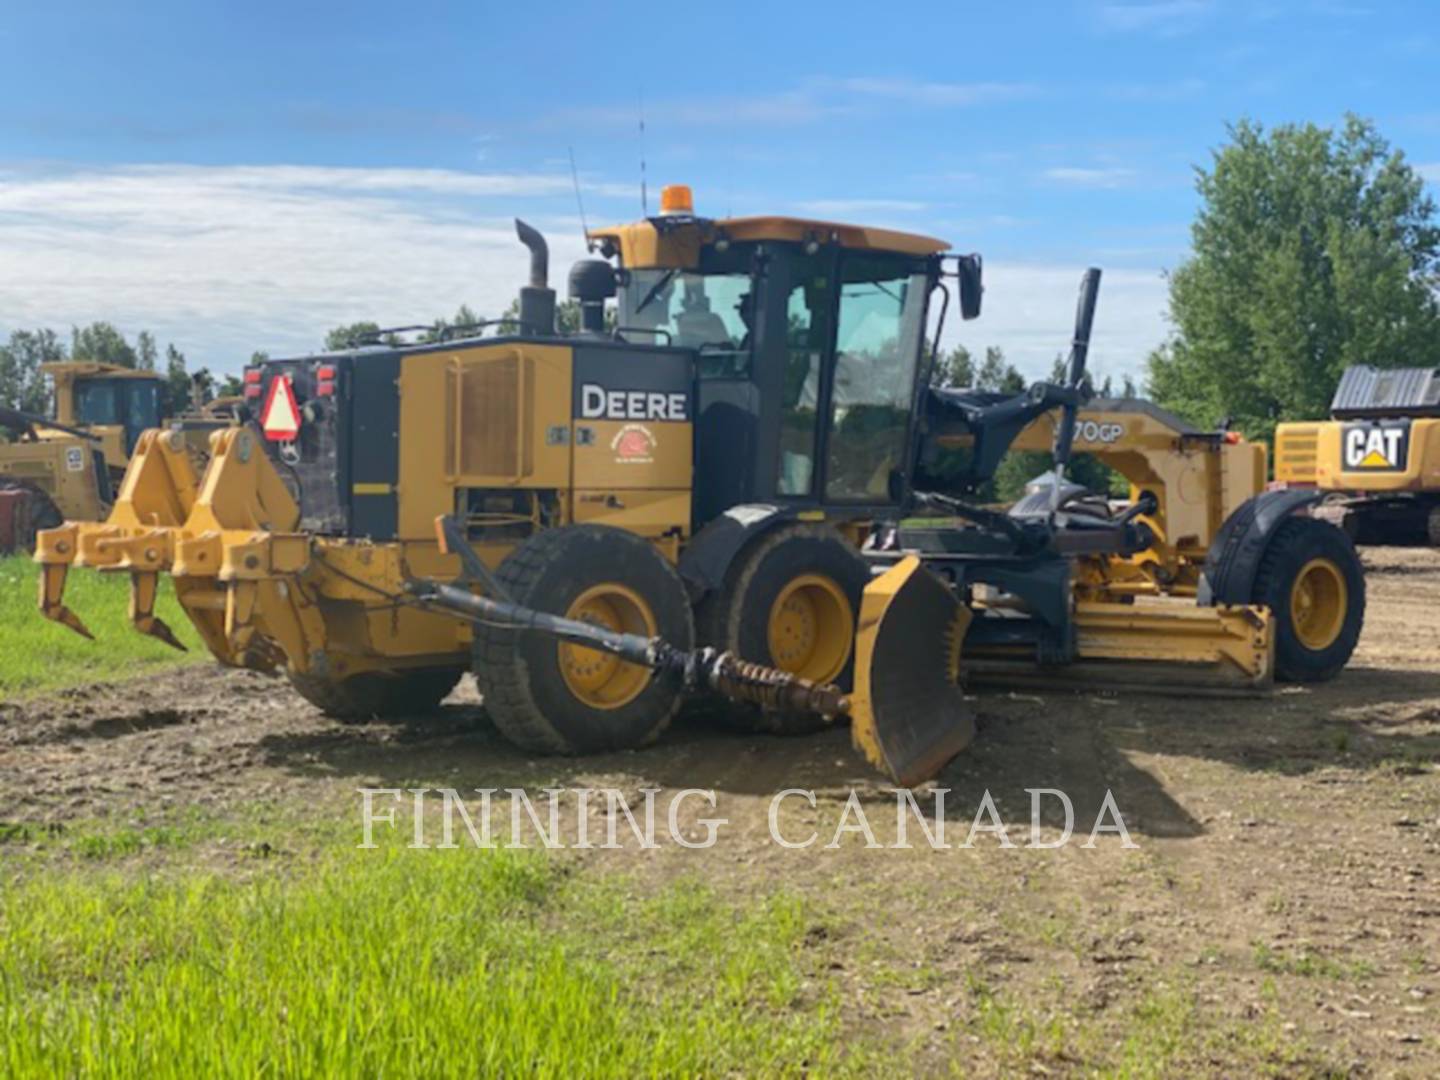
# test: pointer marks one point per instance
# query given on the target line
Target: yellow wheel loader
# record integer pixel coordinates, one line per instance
(721, 494)
(67, 467)
(1377, 460)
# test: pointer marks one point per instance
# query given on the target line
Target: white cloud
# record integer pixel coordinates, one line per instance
(1163, 17)
(937, 93)
(782, 109)
(1090, 177)
(225, 260)
(1029, 311)
(811, 101)
(1160, 92)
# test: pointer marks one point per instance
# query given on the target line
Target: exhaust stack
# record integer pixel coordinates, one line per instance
(537, 299)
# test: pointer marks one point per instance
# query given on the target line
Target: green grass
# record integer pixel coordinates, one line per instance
(401, 963)
(1309, 963)
(37, 654)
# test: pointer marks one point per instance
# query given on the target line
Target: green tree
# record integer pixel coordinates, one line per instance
(177, 380)
(1313, 249)
(955, 368)
(21, 384)
(464, 316)
(997, 374)
(958, 369)
(567, 317)
(347, 337)
(101, 343)
(145, 351)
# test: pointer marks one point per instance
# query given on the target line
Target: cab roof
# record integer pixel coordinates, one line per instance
(675, 242)
(85, 369)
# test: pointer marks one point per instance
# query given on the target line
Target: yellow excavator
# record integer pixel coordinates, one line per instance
(732, 488)
(66, 467)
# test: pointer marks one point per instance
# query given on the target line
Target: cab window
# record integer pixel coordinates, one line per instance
(133, 404)
(807, 341)
(98, 401)
(143, 412)
(881, 317)
(710, 313)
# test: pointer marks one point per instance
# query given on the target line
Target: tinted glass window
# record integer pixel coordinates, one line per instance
(877, 346)
(144, 401)
(711, 313)
(97, 401)
(807, 338)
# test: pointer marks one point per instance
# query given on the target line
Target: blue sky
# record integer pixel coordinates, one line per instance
(244, 176)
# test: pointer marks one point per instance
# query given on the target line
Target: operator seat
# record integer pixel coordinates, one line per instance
(700, 326)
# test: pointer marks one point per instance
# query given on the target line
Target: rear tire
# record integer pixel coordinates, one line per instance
(37, 512)
(1311, 580)
(555, 698)
(1432, 526)
(791, 602)
(377, 695)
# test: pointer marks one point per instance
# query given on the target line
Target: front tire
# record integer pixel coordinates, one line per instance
(1311, 580)
(556, 698)
(791, 602)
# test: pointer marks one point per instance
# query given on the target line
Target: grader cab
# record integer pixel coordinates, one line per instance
(716, 495)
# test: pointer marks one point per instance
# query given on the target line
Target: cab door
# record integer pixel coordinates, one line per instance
(869, 397)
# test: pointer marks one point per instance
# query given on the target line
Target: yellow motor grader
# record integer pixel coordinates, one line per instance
(724, 491)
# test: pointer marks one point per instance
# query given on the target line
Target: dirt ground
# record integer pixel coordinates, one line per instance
(1281, 907)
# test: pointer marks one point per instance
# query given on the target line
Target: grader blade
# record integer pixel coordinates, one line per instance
(908, 716)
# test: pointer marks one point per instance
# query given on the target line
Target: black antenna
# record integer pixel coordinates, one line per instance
(575, 175)
(644, 196)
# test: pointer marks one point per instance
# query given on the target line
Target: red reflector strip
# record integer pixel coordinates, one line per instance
(325, 371)
(252, 390)
(252, 376)
(324, 389)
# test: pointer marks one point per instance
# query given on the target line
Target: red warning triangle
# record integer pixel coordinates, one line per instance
(280, 419)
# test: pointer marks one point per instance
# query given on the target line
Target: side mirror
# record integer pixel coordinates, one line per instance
(968, 272)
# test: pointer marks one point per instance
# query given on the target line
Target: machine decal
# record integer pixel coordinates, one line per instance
(74, 459)
(600, 403)
(1096, 432)
(1376, 447)
(634, 444)
(280, 419)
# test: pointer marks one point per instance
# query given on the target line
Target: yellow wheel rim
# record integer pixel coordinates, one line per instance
(600, 679)
(811, 628)
(1318, 602)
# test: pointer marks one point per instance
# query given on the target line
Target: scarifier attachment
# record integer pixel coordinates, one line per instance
(226, 540)
(58, 546)
(908, 716)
